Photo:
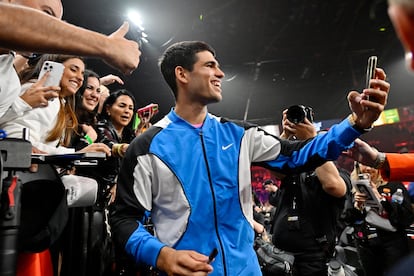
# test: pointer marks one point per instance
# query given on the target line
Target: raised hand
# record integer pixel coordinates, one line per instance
(123, 53)
(366, 112)
(110, 79)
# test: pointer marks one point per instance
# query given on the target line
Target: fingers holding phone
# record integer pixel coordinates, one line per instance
(367, 106)
(372, 65)
(147, 112)
(47, 86)
(39, 95)
(375, 80)
(50, 76)
(144, 115)
(377, 92)
(54, 72)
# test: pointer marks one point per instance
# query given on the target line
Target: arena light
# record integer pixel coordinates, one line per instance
(136, 19)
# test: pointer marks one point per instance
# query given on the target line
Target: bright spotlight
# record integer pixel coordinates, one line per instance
(136, 19)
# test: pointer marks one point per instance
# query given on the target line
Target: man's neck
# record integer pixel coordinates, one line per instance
(191, 113)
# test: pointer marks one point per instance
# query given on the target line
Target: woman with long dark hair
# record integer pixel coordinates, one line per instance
(116, 131)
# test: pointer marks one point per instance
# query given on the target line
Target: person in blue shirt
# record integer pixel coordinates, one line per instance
(192, 171)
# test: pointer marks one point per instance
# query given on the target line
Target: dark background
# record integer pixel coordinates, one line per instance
(275, 52)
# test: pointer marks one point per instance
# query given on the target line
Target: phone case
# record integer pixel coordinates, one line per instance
(145, 111)
(55, 75)
(372, 64)
(363, 186)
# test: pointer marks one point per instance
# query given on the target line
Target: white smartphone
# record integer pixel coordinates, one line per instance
(56, 72)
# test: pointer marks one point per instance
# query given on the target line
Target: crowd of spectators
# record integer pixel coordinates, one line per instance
(181, 196)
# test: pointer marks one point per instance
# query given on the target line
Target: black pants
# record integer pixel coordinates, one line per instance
(87, 249)
(310, 264)
(379, 254)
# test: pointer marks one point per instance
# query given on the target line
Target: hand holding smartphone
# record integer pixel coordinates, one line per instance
(372, 65)
(362, 185)
(55, 70)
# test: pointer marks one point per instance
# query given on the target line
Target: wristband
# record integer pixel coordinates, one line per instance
(352, 122)
(89, 139)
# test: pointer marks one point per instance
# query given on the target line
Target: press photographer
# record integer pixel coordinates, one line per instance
(307, 204)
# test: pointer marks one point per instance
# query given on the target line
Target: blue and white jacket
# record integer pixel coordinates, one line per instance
(196, 183)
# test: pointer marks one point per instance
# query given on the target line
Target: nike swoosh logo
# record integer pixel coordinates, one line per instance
(226, 147)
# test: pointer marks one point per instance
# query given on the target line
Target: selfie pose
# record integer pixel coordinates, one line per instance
(191, 170)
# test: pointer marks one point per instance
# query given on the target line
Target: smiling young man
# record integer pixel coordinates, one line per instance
(191, 170)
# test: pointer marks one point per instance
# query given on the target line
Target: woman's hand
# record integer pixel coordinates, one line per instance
(360, 199)
(97, 147)
(110, 79)
(39, 95)
(90, 131)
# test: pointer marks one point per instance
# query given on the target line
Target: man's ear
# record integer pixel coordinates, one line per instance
(403, 22)
(181, 74)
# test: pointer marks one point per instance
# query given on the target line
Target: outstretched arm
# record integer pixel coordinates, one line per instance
(393, 166)
(26, 29)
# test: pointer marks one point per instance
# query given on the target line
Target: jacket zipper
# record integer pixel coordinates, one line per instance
(214, 199)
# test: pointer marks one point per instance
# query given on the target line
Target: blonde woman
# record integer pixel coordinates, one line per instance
(379, 249)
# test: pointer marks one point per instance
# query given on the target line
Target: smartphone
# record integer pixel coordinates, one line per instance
(372, 64)
(145, 111)
(362, 184)
(56, 72)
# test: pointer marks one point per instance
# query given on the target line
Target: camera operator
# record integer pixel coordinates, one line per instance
(308, 205)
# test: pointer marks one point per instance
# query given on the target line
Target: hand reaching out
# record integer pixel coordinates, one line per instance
(362, 152)
(110, 79)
